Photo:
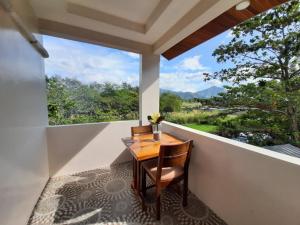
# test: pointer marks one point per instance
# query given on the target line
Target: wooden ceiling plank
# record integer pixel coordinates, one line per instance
(220, 24)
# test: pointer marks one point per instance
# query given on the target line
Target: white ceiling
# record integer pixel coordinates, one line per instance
(157, 24)
(134, 10)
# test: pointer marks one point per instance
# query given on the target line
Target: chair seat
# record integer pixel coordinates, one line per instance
(167, 174)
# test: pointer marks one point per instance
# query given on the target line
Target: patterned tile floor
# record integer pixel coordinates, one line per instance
(104, 196)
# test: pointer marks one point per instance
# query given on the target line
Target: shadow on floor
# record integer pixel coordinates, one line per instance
(104, 196)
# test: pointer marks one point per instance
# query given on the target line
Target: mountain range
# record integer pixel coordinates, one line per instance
(206, 93)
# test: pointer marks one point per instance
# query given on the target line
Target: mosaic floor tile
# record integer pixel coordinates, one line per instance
(104, 196)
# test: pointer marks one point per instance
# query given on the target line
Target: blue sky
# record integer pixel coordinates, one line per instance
(93, 63)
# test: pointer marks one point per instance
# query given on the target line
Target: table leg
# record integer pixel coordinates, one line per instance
(138, 176)
(136, 184)
(134, 171)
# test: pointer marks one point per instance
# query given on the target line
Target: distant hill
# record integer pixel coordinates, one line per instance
(206, 93)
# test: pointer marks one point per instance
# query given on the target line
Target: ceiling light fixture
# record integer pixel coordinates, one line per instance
(242, 5)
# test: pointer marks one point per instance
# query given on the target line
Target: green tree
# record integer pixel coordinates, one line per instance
(70, 101)
(267, 47)
(263, 106)
(170, 103)
(60, 103)
(126, 101)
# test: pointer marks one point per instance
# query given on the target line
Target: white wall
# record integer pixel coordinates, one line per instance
(243, 184)
(23, 121)
(76, 148)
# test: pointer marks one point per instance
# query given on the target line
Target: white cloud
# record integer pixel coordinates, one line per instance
(187, 75)
(163, 61)
(192, 64)
(229, 35)
(215, 82)
(184, 81)
(90, 65)
(133, 55)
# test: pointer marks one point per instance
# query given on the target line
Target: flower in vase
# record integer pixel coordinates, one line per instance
(155, 118)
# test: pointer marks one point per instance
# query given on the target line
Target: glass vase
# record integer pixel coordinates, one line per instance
(156, 128)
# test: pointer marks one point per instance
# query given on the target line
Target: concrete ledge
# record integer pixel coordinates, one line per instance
(243, 184)
(241, 145)
(81, 147)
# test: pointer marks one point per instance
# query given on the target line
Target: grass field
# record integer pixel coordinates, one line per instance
(203, 127)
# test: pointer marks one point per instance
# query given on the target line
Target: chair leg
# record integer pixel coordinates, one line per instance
(157, 203)
(144, 182)
(185, 191)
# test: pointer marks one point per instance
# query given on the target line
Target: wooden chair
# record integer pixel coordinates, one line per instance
(171, 167)
(135, 131)
(140, 130)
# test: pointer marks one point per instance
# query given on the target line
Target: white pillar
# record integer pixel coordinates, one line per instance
(149, 86)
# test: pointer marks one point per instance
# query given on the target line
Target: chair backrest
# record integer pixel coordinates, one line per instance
(140, 130)
(174, 155)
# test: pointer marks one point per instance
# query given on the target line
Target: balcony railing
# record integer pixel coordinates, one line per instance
(243, 184)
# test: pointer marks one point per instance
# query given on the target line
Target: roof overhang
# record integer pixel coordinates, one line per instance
(166, 27)
(225, 21)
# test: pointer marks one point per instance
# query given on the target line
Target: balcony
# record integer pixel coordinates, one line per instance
(230, 182)
(80, 174)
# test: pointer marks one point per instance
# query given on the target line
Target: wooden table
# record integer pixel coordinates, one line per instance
(143, 148)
